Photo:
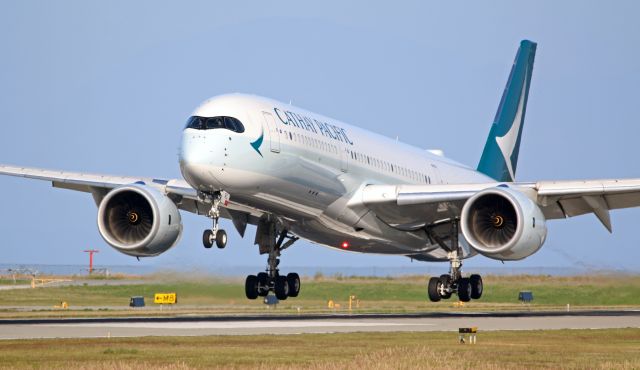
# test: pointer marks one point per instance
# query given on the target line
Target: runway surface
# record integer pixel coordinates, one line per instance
(274, 324)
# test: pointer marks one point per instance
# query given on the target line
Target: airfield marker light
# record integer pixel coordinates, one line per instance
(345, 245)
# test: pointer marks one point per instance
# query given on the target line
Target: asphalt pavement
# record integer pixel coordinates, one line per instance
(298, 324)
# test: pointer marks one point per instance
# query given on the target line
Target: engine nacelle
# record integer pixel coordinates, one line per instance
(139, 220)
(503, 224)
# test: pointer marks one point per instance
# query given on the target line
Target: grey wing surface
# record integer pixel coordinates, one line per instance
(411, 207)
(180, 192)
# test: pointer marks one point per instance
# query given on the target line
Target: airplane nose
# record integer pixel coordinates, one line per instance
(199, 163)
(192, 150)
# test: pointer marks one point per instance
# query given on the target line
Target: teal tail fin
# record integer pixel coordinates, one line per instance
(500, 154)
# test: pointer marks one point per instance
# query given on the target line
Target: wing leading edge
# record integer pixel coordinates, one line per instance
(90, 183)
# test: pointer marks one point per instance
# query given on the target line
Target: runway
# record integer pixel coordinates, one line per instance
(274, 324)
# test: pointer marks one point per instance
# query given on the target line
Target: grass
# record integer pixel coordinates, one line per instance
(556, 349)
(405, 294)
(10, 281)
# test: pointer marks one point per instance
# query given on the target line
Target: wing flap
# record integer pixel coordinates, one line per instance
(560, 199)
(624, 200)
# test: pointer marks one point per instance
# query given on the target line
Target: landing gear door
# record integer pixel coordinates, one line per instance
(274, 137)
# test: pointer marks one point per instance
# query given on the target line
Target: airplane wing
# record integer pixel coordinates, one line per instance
(413, 206)
(185, 197)
(406, 207)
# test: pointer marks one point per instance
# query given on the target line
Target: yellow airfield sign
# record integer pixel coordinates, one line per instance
(165, 298)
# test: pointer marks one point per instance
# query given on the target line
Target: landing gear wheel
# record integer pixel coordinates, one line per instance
(263, 284)
(476, 286)
(251, 287)
(464, 290)
(293, 280)
(221, 239)
(432, 289)
(207, 238)
(281, 288)
(445, 280)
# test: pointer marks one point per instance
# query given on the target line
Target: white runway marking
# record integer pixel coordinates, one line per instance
(236, 324)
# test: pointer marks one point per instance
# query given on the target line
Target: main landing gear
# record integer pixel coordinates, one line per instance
(215, 235)
(271, 280)
(444, 286)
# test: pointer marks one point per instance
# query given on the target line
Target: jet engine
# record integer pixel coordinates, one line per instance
(504, 224)
(139, 220)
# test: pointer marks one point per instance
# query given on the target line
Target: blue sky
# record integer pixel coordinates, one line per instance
(107, 86)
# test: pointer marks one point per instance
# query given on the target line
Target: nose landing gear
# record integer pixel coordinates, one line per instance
(444, 286)
(219, 237)
(215, 235)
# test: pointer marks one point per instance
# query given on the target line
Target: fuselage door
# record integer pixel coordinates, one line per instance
(274, 136)
(435, 175)
(344, 157)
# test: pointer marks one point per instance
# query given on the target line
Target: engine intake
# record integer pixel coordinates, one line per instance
(503, 223)
(139, 220)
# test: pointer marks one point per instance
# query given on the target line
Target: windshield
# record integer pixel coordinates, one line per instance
(210, 123)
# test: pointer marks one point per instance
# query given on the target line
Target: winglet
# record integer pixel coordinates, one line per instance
(500, 154)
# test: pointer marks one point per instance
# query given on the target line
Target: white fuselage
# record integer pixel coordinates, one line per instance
(304, 168)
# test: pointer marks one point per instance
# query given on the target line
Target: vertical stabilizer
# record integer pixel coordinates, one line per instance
(500, 154)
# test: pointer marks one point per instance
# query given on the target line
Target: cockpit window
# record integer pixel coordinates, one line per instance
(214, 122)
(209, 123)
(230, 123)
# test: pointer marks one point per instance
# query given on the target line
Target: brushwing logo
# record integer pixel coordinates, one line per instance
(507, 143)
(256, 144)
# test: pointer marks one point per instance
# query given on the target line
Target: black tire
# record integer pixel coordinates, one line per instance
(293, 280)
(251, 287)
(281, 288)
(207, 238)
(476, 286)
(263, 284)
(446, 281)
(432, 289)
(221, 239)
(464, 290)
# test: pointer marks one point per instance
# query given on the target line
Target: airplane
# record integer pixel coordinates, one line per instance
(296, 174)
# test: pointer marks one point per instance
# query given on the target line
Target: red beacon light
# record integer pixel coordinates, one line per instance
(345, 245)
